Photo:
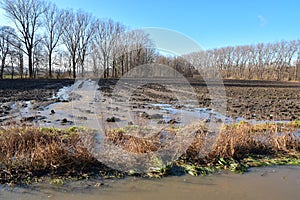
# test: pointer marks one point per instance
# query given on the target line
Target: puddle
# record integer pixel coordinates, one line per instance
(95, 108)
(274, 183)
(82, 104)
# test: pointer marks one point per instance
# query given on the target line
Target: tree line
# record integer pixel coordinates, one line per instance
(51, 36)
(263, 61)
(65, 42)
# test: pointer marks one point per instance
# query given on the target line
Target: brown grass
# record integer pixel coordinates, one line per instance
(29, 151)
(234, 141)
(132, 143)
(241, 140)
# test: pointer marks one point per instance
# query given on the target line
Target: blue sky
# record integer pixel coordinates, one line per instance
(211, 23)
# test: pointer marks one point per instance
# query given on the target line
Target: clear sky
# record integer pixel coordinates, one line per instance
(211, 23)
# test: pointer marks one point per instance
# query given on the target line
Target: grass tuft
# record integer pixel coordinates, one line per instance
(27, 153)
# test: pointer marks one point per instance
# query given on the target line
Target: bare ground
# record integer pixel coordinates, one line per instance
(260, 100)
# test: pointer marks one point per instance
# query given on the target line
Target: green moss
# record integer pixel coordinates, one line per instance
(57, 181)
(49, 129)
(270, 161)
(230, 164)
(295, 123)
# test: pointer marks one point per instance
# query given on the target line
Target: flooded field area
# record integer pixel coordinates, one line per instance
(40, 102)
(160, 110)
(96, 105)
(274, 183)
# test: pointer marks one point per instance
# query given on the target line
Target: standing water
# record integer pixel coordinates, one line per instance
(89, 109)
(274, 183)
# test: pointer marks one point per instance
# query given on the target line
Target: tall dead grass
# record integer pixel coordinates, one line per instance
(234, 141)
(241, 140)
(132, 143)
(29, 151)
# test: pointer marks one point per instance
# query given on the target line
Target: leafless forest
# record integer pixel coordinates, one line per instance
(45, 41)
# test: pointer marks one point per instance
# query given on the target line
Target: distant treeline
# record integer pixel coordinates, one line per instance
(57, 43)
(270, 61)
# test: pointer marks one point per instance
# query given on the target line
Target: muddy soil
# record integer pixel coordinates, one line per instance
(30, 89)
(41, 91)
(258, 100)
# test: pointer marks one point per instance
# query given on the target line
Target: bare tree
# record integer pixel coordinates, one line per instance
(13, 56)
(87, 26)
(21, 60)
(78, 30)
(53, 31)
(131, 49)
(39, 58)
(107, 33)
(7, 43)
(26, 15)
(70, 36)
(258, 61)
(297, 62)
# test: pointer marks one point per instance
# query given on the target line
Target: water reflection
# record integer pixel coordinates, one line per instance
(260, 183)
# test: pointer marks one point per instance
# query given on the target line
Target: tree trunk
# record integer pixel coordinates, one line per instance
(21, 66)
(74, 67)
(2, 69)
(50, 64)
(296, 71)
(12, 69)
(30, 65)
(107, 68)
(122, 65)
(82, 68)
(104, 67)
(113, 69)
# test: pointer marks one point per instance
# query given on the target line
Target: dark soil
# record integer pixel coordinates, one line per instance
(260, 100)
(250, 99)
(30, 89)
(40, 90)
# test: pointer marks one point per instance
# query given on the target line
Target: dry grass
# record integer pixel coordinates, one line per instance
(29, 152)
(132, 143)
(34, 152)
(234, 141)
(241, 140)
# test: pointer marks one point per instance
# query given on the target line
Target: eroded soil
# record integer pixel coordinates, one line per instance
(258, 100)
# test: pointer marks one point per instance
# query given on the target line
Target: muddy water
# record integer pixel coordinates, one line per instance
(260, 183)
(84, 105)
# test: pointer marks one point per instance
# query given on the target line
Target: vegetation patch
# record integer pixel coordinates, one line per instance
(28, 154)
(145, 140)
